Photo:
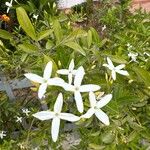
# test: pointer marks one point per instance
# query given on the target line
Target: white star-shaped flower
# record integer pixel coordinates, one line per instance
(77, 88)
(9, 5)
(35, 16)
(133, 56)
(56, 116)
(115, 69)
(104, 27)
(96, 108)
(2, 134)
(19, 119)
(45, 80)
(70, 71)
(26, 111)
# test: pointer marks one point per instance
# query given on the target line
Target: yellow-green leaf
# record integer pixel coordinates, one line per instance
(28, 48)
(5, 35)
(44, 34)
(76, 47)
(25, 23)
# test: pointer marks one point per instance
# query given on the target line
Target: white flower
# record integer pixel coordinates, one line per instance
(35, 16)
(77, 88)
(96, 108)
(129, 46)
(19, 119)
(2, 134)
(133, 56)
(104, 27)
(26, 111)
(56, 116)
(9, 5)
(45, 80)
(115, 69)
(70, 71)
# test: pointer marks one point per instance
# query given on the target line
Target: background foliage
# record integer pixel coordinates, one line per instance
(27, 44)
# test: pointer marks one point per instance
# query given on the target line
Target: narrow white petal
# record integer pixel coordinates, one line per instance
(55, 128)
(102, 116)
(71, 66)
(79, 76)
(89, 113)
(109, 67)
(63, 71)
(120, 67)
(70, 76)
(92, 99)
(89, 88)
(104, 100)
(48, 71)
(34, 77)
(68, 87)
(110, 62)
(113, 74)
(42, 90)
(79, 102)
(55, 81)
(44, 115)
(123, 72)
(69, 117)
(59, 103)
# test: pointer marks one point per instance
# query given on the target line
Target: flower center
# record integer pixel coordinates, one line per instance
(76, 88)
(57, 114)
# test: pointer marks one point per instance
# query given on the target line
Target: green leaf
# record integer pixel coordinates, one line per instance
(76, 47)
(117, 59)
(44, 34)
(95, 35)
(57, 30)
(108, 137)
(89, 38)
(143, 75)
(5, 35)
(25, 23)
(28, 48)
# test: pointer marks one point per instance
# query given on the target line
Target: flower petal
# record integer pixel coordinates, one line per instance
(89, 113)
(110, 62)
(34, 77)
(59, 103)
(92, 99)
(42, 90)
(89, 88)
(63, 71)
(55, 128)
(48, 71)
(55, 81)
(123, 72)
(106, 65)
(104, 100)
(120, 67)
(113, 74)
(71, 66)
(44, 115)
(79, 102)
(70, 76)
(102, 116)
(68, 87)
(79, 76)
(69, 117)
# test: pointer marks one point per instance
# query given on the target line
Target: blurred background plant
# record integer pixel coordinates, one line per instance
(38, 32)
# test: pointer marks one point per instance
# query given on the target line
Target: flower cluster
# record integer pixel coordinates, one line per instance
(74, 85)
